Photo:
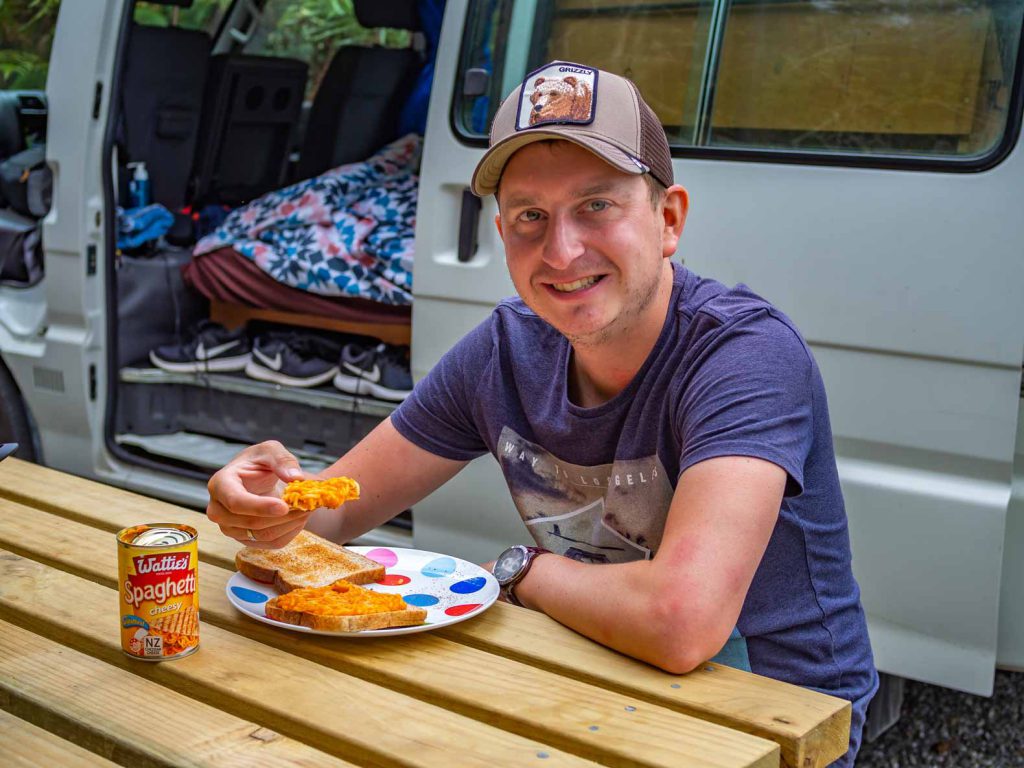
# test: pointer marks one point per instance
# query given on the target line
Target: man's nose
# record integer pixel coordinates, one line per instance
(563, 243)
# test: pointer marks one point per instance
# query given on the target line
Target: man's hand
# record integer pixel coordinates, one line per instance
(393, 474)
(245, 497)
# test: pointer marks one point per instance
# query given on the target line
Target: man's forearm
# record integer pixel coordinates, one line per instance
(628, 607)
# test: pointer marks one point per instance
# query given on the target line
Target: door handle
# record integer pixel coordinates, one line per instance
(469, 225)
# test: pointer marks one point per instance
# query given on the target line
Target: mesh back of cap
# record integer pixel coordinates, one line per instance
(654, 149)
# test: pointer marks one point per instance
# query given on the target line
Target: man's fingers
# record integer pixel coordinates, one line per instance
(278, 459)
(232, 494)
(245, 495)
(225, 518)
(273, 537)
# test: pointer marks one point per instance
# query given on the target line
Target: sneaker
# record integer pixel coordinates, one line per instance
(381, 371)
(212, 348)
(293, 360)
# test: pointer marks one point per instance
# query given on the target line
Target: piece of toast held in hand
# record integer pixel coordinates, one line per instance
(307, 561)
(343, 607)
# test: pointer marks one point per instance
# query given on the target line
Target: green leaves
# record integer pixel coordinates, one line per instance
(312, 30)
(26, 33)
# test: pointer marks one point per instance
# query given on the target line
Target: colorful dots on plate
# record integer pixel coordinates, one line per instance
(249, 595)
(461, 610)
(394, 580)
(385, 557)
(420, 600)
(438, 567)
(468, 586)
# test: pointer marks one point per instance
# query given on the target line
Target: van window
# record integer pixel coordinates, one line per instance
(26, 35)
(866, 77)
(204, 15)
(312, 30)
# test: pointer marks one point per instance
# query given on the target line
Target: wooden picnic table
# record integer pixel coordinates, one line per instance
(509, 687)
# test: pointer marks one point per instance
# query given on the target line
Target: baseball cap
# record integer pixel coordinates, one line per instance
(598, 110)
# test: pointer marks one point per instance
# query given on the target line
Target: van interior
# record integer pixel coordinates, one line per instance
(245, 148)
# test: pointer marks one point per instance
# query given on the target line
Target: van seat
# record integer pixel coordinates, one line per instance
(251, 109)
(356, 110)
(164, 72)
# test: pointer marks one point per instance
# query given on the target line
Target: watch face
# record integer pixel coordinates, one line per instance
(509, 564)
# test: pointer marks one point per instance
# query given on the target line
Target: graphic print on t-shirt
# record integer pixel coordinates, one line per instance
(609, 513)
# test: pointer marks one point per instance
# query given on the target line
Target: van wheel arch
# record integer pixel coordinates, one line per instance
(16, 424)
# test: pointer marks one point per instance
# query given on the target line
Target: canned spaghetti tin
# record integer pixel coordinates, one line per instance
(158, 570)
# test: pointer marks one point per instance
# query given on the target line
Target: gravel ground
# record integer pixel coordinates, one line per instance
(940, 727)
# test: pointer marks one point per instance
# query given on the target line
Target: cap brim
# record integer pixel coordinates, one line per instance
(492, 164)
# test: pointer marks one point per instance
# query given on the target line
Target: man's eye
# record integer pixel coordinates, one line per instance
(529, 216)
(597, 205)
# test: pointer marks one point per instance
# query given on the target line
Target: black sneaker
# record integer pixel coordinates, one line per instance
(293, 359)
(381, 371)
(213, 348)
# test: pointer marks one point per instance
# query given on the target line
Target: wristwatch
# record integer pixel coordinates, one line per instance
(512, 565)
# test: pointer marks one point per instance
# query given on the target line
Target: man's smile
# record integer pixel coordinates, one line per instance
(575, 286)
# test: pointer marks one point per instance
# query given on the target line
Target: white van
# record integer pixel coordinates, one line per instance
(857, 163)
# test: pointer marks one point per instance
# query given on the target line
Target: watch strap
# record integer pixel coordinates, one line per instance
(510, 596)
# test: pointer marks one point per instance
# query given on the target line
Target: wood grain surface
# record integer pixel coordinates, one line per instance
(582, 699)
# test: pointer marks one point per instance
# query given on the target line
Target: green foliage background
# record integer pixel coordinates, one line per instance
(200, 16)
(310, 30)
(26, 33)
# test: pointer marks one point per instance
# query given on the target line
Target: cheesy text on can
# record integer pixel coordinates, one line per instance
(158, 573)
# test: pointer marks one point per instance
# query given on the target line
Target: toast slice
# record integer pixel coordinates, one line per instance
(343, 607)
(307, 561)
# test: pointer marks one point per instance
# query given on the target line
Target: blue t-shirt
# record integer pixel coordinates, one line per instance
(729, 375)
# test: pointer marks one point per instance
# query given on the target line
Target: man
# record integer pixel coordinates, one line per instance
(665, 439)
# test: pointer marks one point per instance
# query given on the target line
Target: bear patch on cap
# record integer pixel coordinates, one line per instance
(558, 93)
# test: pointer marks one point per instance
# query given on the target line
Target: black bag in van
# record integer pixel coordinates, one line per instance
(21, 253)
(154, 304)
(26, 182)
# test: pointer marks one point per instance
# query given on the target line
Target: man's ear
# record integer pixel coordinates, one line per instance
(675, 206)
(497, 223)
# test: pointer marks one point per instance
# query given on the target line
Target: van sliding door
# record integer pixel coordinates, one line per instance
(854, 162)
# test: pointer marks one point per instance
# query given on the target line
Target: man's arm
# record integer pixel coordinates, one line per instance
(678, 609)
(393, 474)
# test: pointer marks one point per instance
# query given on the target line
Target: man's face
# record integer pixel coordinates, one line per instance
(584, 245)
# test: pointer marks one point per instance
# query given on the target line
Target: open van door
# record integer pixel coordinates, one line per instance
(54, 342)
(854, 166)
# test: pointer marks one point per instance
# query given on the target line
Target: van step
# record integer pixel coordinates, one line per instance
(320, 397)
(213, 453)
(208, 452)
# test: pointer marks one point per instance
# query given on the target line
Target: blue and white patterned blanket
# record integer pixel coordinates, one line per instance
(347, 232)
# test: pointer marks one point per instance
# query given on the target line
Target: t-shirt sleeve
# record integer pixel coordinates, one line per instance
(750, 394)
(438, 415)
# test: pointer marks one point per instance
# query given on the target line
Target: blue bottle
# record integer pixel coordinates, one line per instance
(138, 188)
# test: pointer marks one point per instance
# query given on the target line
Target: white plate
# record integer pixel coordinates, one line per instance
(451, 590)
